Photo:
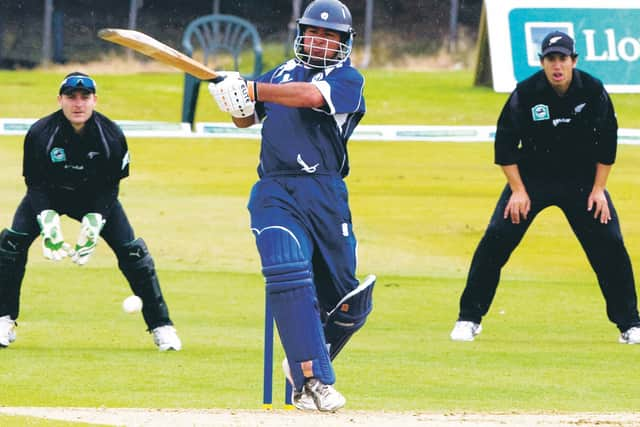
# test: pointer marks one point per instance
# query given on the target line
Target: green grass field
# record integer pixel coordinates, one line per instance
(419, 211)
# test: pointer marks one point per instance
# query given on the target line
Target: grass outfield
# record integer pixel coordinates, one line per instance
(393, 97)
(419, 210)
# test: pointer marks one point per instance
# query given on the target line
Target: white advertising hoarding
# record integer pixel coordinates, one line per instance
(607, 35)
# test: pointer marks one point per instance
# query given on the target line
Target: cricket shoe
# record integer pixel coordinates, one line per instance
(300, 399)
(166, 338)
(7, 331)
(630, 336)
(465, 330)
(326, 397)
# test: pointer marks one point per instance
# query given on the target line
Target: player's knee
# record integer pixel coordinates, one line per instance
(613, 237)
(354, 312)
(495, 231)
(136, 263)
(138, 267)
(13, 249)
(284, 264)
(13, 259)
(134, 255)
(14, 242)
(347, 319)
(496, 244)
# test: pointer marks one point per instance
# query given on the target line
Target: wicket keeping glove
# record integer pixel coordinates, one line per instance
(232, 95)
(92, 223)
(53, 245)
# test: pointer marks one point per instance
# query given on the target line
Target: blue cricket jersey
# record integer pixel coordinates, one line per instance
(302, 141)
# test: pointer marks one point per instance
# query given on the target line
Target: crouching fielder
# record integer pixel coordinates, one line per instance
(73, 162)
(299, 208)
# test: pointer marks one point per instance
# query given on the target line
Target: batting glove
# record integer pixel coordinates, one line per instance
(53, 245)
(232, 95)
(92, 223)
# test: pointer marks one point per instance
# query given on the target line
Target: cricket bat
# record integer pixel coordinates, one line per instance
(151, 47)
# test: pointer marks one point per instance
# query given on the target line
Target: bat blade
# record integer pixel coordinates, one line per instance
(157, 50)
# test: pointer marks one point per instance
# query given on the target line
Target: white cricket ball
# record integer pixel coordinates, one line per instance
(132, 304)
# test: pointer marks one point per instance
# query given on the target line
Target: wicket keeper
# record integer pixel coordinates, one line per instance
(556, 142)
(300, 216)
(73, 162)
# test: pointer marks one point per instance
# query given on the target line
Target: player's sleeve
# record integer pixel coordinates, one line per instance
(33, 170)
(116, 147)
(264, 78)
(33, 166)
(124, 160)
(508, 134)
(606, 129)
(342, 90)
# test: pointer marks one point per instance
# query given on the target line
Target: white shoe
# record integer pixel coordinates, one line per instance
(300, 399)
(7, 331)
(630, 336)
(166, 338)
(325, 396)
(465, 330)
(303, 400)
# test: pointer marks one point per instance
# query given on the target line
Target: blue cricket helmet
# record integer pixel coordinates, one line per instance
(331, 15)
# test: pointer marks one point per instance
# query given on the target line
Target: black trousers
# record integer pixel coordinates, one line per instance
(602, 243)
(117, 233)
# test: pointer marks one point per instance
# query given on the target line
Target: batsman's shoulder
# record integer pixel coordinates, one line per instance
(347, 73)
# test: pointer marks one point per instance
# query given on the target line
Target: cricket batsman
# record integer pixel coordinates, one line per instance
(300, 216)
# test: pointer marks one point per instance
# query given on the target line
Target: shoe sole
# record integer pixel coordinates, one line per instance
(462, 339)
(168, 349)
(304, 407)
(333, 408)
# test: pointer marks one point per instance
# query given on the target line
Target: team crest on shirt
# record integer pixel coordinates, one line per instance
(540, 112)
(58, 155)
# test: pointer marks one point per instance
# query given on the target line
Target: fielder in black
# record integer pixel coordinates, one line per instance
(73, 162)
(556, 142)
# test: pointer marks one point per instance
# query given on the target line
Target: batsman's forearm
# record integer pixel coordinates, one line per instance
(294, 94)
(602, 175)
(513, 177)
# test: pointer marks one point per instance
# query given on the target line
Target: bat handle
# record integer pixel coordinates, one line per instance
(217, 79)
